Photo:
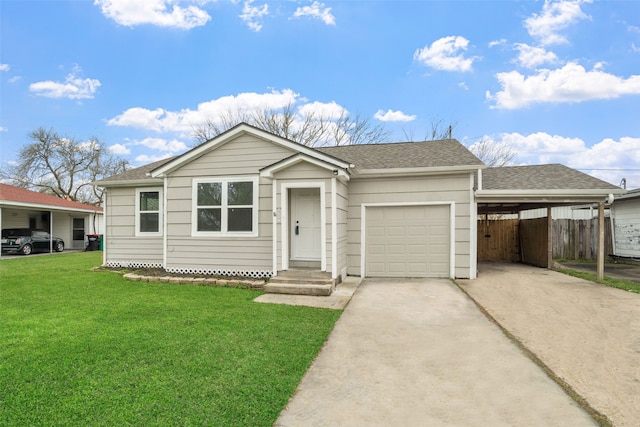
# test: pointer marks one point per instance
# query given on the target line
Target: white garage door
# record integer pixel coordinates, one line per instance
(407, 241)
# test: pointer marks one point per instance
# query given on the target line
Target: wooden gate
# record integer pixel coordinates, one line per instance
(498, 240)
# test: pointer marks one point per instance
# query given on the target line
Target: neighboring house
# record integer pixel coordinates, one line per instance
(71, 221)
(625, 214)
(251, 203)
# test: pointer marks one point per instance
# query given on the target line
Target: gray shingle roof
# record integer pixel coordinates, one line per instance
(405, 154)
(540, 177)
(137, 174)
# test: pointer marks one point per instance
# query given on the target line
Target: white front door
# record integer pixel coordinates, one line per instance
(305, 230)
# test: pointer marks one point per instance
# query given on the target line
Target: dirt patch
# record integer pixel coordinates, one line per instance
(587, 334)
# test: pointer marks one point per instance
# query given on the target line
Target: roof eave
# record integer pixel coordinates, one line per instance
(438, 170)
(129, 183)
(45, 207)
(544, 196)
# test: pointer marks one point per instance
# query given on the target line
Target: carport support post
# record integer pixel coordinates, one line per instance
(549, 239)
(600, 275)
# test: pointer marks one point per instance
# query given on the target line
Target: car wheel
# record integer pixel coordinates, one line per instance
(26, 249)
(59, 247)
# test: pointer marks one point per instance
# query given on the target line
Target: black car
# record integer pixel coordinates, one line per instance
(26, 241)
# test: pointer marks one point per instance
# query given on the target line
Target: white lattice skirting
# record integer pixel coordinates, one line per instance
(256, 274)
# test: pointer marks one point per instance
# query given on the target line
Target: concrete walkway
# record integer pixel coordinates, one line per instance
(420, 353)
(587, 334)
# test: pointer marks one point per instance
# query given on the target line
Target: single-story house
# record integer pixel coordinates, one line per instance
(69, 220)
(625, 215)
(251, 203)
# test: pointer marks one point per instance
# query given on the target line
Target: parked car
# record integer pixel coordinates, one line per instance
(26, 241)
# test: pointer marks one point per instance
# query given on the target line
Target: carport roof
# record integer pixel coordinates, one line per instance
(20, 197)
(541, 177)
(512, 189)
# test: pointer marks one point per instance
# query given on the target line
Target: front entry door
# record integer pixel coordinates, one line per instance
(305, 230)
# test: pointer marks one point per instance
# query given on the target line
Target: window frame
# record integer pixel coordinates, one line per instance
(224, 207)
(138, 232)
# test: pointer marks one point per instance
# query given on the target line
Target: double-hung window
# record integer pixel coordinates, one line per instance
(225, 206)
(149, 212)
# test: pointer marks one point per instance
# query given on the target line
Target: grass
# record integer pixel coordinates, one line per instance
(89, 348)
(626, 285)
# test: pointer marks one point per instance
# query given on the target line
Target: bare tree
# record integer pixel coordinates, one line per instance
(439, 130)
(63, 167)
(311, 129)
(492, 153)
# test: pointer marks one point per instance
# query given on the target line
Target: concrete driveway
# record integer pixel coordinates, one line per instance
(587, 334)
(420, 353)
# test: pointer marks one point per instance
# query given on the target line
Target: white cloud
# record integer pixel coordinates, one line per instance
(183, 121)
(251, 15)
(463, 85)
(532, 56)
(316, 10)
(74, 87)
(160, 144)
(329, 110)
(608, 159)
(120, 149)
(571, 83)
(163, 13)
(500, 42)
(446, 54)
(393, 116)
(3, 129)
(14, 79)
(5, 67)
(555, 17)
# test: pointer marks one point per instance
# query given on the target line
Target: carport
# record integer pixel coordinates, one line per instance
(513, 189)
(69, 220)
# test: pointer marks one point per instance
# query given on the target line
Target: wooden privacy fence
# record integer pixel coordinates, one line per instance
(526, 240)
(578, 238)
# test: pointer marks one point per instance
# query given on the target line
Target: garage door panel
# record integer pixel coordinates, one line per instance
(407, 241)
(415, 250)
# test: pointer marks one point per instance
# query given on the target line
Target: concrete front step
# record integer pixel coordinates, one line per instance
(303, 273)
(302, 280)
(290, 288)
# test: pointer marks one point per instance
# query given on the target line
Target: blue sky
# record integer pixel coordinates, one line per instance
(557, 81)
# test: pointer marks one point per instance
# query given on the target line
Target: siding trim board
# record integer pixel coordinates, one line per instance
(363, 230)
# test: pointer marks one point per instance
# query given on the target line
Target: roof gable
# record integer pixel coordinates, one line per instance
(233, 133)
(16, 196)
(335, 167)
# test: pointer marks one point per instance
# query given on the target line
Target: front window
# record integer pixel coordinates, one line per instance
(148, 212)
(225, 206)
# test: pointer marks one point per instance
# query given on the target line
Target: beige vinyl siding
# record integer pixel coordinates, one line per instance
(121, 245)
(446, 188)
(243, 156)
(303, 171)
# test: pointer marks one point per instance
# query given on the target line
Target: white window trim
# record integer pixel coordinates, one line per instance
(224, 181)
(160, 212)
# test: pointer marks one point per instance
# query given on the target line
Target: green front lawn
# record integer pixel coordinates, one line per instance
(89, 348)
